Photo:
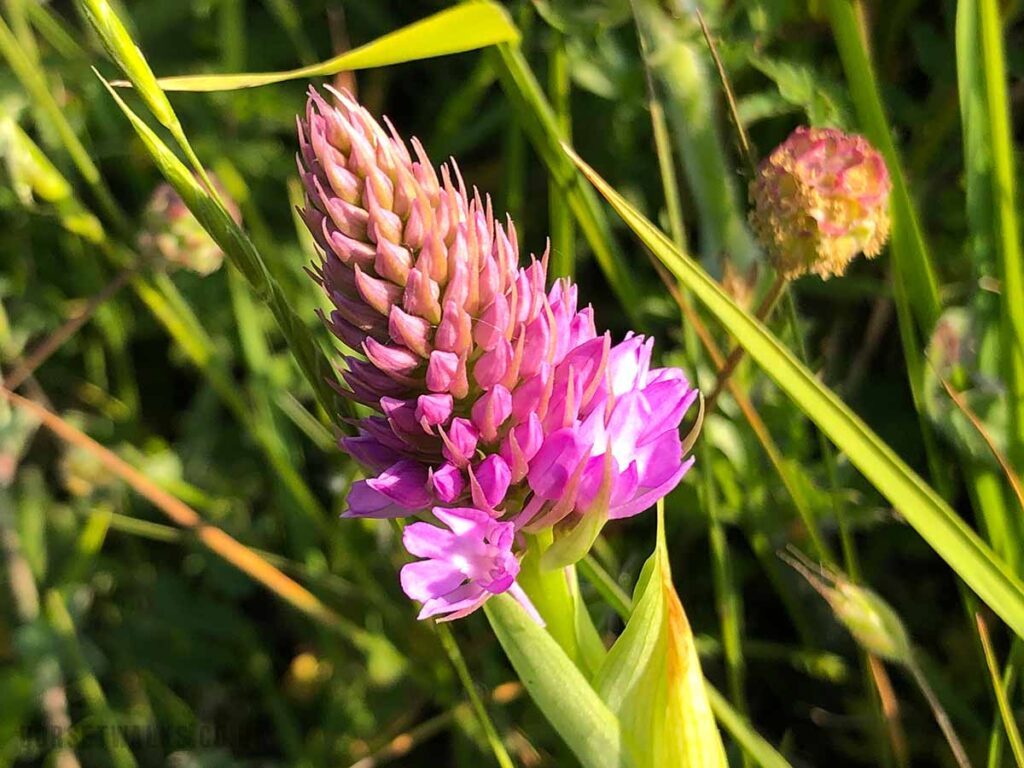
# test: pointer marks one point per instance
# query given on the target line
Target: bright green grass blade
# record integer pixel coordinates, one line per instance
(465, 27)
(987, 492)
(910, 253)
(540, 124)
(923, 508)
(557, 687)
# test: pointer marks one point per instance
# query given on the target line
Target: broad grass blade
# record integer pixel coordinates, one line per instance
(558, 688)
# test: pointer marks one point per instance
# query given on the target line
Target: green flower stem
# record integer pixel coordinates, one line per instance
(550, 594)
(451, 648)
(563, 244)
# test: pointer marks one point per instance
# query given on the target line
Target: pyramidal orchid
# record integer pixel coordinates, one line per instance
(499, 410)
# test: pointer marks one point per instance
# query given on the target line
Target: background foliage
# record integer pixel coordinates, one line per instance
(189, 380)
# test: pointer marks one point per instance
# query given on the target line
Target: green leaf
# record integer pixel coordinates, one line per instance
(465, 27)
(922, 507)
(652, 680)
(557, 687)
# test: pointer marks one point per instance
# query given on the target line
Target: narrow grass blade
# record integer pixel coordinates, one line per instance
(910, 253)
(451, 647)
(465, 27)
(923, 508)
(1007, 228)
(558, 688)
(1005, 710)
(541, 126)
(750, 741)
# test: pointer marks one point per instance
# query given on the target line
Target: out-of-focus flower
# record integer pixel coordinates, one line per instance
(83, 473)
(820, 198)
(498, 405)
(172, 235)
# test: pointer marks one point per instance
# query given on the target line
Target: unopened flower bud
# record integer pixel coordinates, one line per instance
(820, 198)
(874, 624)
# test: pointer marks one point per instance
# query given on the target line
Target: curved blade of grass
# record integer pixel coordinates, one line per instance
(752, 743)
(465, 27)
(923, 508)
(1005, 708)
(557, 686)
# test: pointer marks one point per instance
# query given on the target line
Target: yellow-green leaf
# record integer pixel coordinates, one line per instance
(465, 27)
(652, 679)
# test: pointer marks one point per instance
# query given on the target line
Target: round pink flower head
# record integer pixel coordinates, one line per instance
(498, 409)
(820, 198)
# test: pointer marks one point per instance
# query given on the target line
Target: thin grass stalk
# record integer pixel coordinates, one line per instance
(451, 648)
(538, 120)
(88, 685)
(939, 712)
(998, 688)
(1008, 235)
(563, 246)
(910, 252)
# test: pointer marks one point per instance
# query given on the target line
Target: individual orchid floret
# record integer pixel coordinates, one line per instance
(495, 399)
(820, 198)
(464, 563)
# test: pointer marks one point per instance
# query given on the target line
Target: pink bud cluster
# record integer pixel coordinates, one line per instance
(820, 198)
(499, 409)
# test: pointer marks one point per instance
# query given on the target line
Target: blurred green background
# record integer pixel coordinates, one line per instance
(109, 615)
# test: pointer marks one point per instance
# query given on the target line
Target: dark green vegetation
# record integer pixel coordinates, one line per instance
(142, 625)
